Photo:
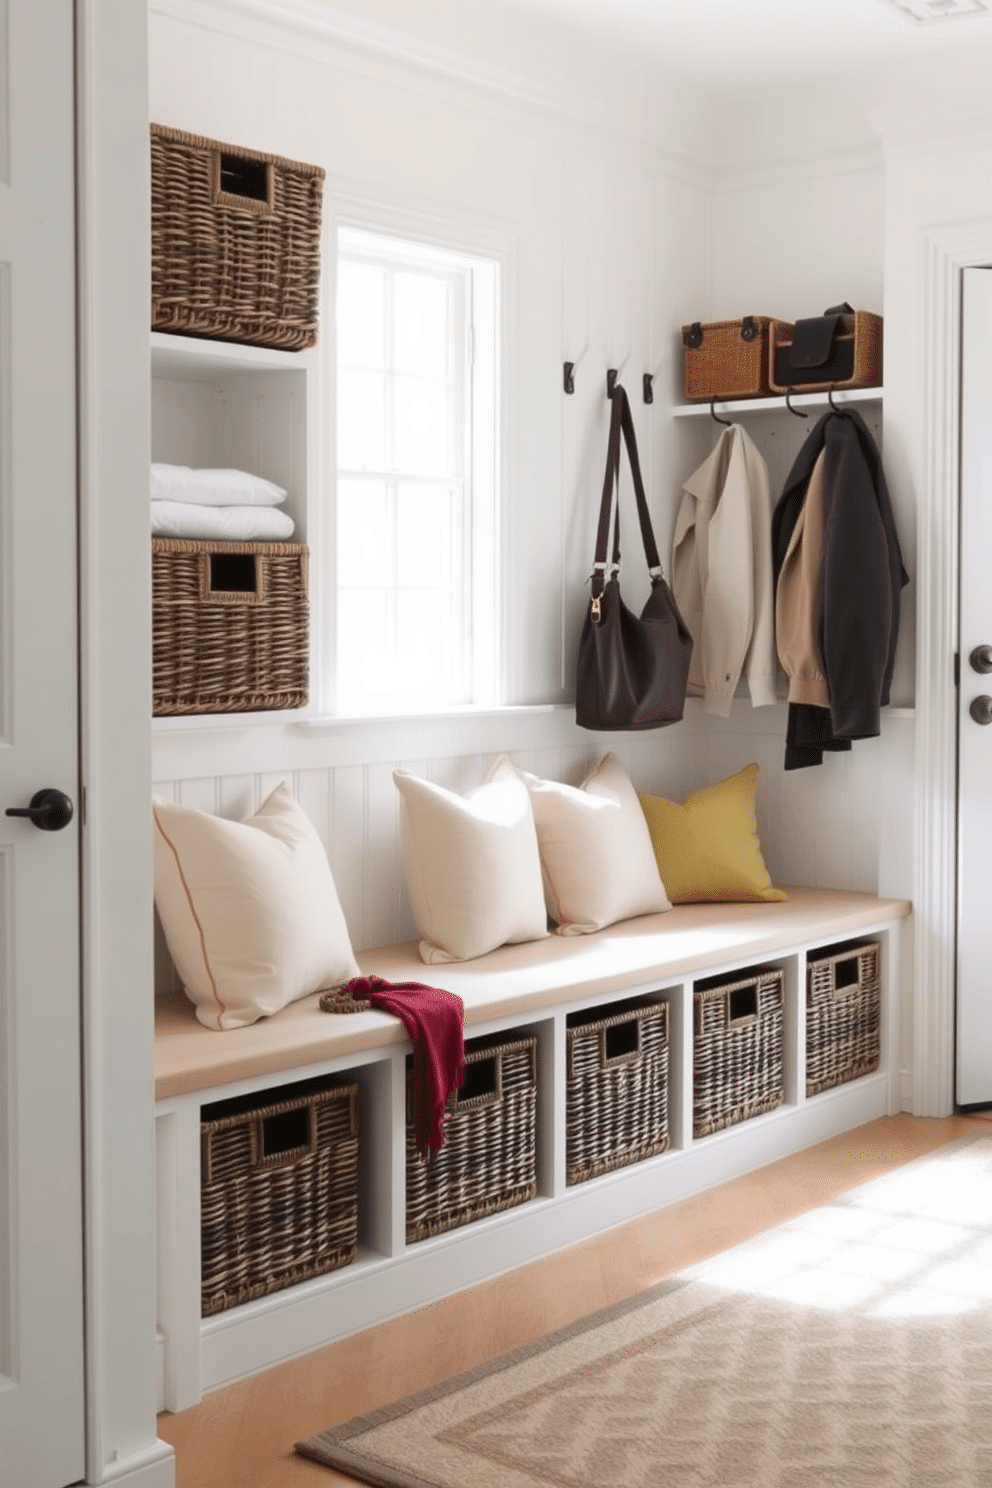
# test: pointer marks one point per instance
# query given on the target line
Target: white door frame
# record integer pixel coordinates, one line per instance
(947, 251)
(113, 245)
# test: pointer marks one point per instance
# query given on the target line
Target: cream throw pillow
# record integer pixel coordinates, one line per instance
(249, 909)
(473, 872)
(596, 853)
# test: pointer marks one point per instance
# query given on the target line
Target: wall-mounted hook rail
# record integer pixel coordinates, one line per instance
(647, 381)
(613, 375)
(568, 373)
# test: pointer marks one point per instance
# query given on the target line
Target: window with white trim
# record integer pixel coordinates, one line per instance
(417, 534)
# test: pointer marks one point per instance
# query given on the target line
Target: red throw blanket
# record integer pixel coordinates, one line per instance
(434, 1020)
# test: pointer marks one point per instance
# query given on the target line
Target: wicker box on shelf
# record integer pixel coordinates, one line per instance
(230, 626)
(489, 1158)
(235, 242)
(854, 360)
(726, 358)
(843, 1014)
(278, 1189)
(616, 1087)
(737, 1051)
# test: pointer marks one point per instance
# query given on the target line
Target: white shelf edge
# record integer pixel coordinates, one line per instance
(777, 404)
(198, 356)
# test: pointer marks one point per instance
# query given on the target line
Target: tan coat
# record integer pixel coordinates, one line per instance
(722, 574)
(799, 599)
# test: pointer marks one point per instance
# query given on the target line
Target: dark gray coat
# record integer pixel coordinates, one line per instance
(863, 574)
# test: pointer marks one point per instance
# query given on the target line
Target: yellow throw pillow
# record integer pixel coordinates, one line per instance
(707, 847)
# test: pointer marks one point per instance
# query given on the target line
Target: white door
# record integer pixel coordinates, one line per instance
(974, 978)
(41, 1288)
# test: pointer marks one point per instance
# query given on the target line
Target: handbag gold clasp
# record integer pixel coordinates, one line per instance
(596, 608)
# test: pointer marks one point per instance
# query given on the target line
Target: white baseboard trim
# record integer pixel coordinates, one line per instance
(155, 1467)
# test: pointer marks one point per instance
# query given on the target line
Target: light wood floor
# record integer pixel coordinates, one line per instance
(242, 1436)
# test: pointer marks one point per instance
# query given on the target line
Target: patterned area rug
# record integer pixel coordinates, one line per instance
(848, 1348)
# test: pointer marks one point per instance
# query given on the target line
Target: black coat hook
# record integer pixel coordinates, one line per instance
(611, 381)
(830, 398)
(569, 377)
(715, 416)
(647, 383)
(799, 412)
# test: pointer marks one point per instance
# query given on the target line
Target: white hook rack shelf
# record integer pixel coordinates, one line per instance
(777, 403)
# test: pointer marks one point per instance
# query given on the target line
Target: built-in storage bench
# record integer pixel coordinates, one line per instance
(531, 989)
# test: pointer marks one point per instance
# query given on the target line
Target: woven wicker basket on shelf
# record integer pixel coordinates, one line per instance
(855, 359)
(616, 1088)
(726, 358)
(279, 1190)
(843, 1015)
(230, 626)
(489, 1158)
(235, 242)
(737, 1052)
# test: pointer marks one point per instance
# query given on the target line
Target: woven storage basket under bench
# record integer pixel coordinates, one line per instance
(737, 1049)
(616, 1087)
(278, 1189)
(230, 626)
(488, 1161)
(843, 1014)
(235, 242)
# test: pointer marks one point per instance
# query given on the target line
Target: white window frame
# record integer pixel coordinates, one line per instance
(486, 265)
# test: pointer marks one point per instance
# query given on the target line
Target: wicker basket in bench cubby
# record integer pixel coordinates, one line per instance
(843, 1014)
(488, 1161)
(278, 1189)
(737, 1049)
(230, 626)
(616, 1087)
(235, 242)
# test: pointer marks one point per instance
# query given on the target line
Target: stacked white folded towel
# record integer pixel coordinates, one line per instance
(217, 504)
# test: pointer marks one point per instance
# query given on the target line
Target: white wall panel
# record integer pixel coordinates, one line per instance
(845, 824)
(791, 245)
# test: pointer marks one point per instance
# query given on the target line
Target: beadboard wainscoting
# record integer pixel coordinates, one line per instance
(837, 826)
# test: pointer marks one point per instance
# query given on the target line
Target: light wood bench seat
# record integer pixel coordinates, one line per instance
(687, 941)
(536, 986)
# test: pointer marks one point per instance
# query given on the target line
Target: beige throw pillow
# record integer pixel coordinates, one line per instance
(249, 909)
(473, 872)
(596, 853)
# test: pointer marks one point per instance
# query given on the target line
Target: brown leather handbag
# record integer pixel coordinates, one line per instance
(632, 670)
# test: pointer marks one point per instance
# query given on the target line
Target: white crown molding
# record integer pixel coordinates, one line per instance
(313, 30)
(800, 164)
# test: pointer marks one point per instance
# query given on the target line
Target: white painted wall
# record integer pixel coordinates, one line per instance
(606, 245)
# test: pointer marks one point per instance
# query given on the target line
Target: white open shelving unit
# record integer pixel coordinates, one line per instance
(218, 403)
(391, 1277)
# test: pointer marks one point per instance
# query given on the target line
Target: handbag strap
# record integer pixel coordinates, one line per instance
(621, 423)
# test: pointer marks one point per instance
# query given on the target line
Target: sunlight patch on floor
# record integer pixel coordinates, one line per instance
(917, 1243)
